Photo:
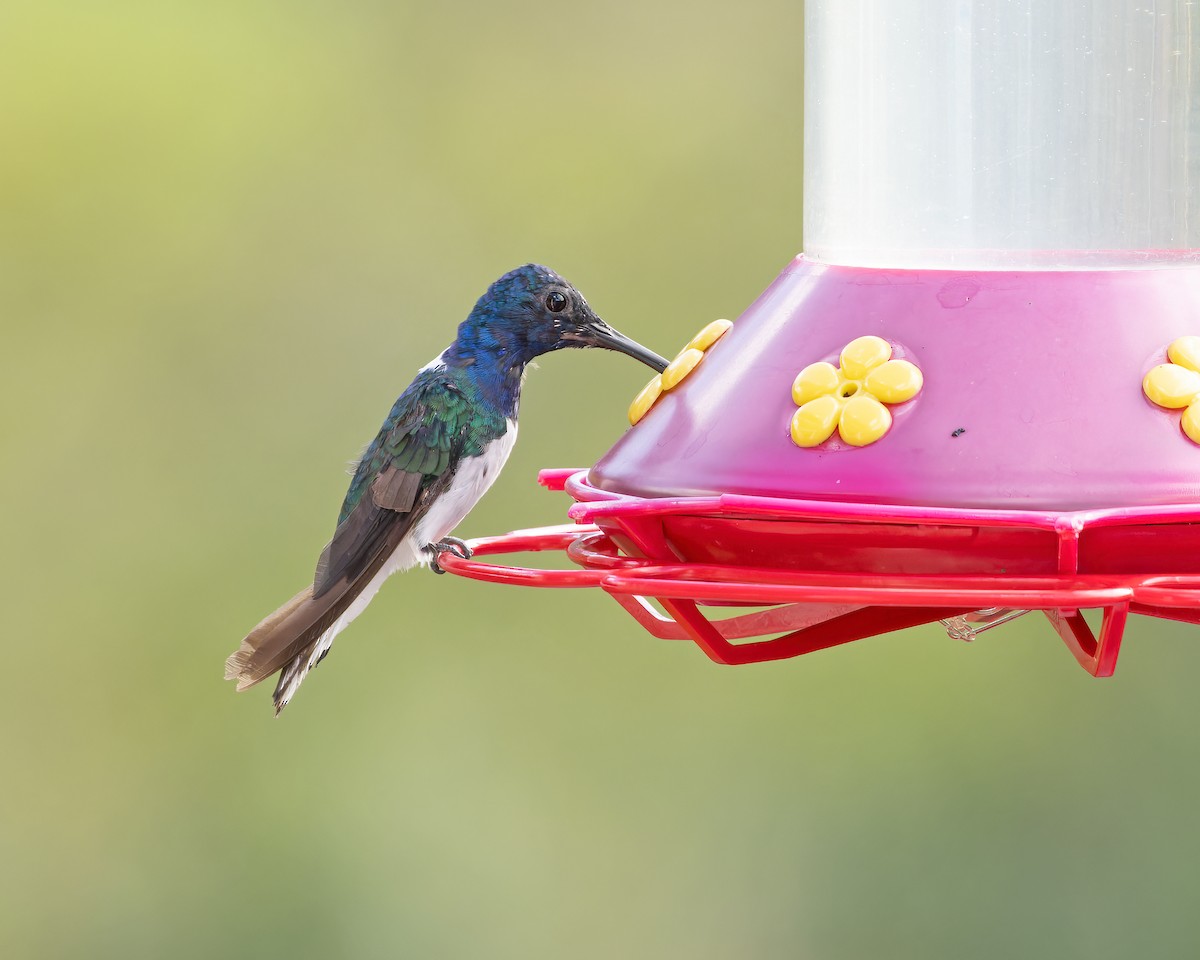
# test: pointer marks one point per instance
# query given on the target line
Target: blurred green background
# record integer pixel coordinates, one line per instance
(229, 233)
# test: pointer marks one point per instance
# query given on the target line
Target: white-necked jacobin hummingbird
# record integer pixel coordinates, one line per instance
(438, 451)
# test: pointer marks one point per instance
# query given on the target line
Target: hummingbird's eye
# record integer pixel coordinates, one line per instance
(555, 302)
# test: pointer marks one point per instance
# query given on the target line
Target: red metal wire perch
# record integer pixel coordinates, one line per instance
(898, 567)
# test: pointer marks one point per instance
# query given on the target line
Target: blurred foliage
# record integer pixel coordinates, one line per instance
(229, 233)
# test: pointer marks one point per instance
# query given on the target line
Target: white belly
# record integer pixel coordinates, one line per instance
(470, 483)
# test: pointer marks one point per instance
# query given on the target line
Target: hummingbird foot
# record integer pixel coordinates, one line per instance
(450, 545)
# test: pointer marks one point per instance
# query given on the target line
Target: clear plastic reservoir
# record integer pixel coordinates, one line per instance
(1002, 134)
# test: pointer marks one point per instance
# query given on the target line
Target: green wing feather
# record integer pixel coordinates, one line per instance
(437, 421)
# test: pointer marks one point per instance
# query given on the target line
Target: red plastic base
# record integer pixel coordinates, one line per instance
(830, 573)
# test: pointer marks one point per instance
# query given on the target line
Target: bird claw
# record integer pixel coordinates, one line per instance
(450, 545)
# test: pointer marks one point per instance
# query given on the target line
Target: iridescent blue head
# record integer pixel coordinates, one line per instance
(530, 311)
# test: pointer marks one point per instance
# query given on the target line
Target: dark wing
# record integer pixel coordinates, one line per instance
(406, 464)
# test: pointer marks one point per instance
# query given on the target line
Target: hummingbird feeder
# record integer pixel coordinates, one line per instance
(974, 395)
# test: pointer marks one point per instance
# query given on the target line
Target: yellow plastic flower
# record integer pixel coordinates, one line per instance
(852, 398)
(689, 358)
(1176, 385)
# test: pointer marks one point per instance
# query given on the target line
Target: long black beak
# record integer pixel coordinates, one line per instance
(600, 334)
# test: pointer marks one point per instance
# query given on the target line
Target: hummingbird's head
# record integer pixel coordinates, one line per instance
(532, 310)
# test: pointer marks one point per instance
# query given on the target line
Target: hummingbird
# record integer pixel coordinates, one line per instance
(439, 450)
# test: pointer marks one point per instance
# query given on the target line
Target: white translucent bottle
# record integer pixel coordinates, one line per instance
(1002, 134)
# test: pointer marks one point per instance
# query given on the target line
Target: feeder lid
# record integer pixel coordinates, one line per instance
(1030, 393)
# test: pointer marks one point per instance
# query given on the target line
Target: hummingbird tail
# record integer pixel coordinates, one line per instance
(292, 640)
(297, 636)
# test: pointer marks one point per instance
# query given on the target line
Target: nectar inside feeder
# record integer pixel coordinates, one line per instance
(977, 392)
